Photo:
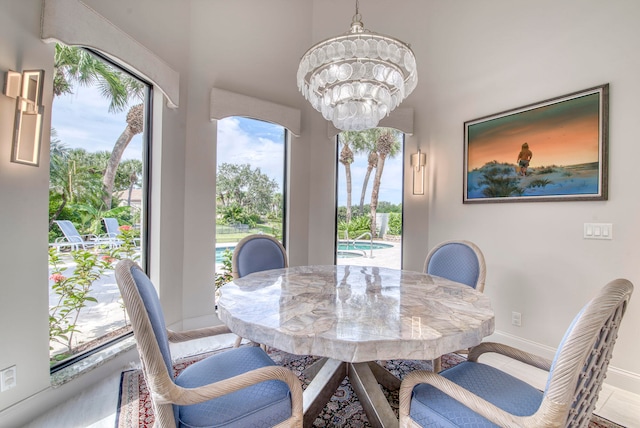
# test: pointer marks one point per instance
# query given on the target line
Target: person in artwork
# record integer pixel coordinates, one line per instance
(524, 157)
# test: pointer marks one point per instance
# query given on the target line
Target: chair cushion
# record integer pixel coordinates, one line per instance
(262, 405)
(154, 311)
(456, 262)
(258, 255)
(430, 407)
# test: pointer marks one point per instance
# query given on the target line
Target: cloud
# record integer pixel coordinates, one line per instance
(82, 120)
(239, 142)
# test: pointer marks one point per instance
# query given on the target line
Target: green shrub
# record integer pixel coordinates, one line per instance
(395, 224)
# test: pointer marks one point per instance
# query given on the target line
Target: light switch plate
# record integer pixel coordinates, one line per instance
(598, 231)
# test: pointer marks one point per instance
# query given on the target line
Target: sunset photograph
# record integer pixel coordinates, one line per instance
(553, 149)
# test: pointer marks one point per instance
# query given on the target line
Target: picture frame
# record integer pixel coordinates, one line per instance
(553, 150)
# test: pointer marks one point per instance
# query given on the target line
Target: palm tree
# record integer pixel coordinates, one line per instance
(367, 144)
(76, 65)
(72, 177)
(135, 125)
(353, 142)
(346, 159)
(128, 176)
(387, 145)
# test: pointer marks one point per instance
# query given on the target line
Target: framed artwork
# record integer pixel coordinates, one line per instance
(554, 150)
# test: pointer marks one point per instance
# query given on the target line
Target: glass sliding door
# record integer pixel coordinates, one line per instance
(369, 198)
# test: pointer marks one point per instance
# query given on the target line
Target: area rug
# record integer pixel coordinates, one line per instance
(343, 410)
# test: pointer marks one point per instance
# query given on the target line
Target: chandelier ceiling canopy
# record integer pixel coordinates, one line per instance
(357, 78)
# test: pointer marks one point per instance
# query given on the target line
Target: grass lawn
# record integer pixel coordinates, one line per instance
(223, 233)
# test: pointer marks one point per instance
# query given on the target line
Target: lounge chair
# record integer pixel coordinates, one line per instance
(73, 239)
(113, 231)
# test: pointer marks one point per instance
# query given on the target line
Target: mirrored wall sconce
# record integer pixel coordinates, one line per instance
(418, 165)
(26, 88)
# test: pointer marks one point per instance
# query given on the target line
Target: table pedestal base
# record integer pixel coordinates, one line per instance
(365, 379)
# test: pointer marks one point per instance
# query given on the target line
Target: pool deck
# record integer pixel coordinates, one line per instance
(384, 257)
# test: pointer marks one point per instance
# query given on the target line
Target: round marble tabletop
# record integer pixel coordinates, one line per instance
(356, 313)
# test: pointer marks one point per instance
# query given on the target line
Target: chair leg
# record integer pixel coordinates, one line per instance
(437, 365)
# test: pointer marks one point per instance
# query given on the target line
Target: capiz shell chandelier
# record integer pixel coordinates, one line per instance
(357, 78)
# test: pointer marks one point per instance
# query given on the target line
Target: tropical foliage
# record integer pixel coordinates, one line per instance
(77, 66)
(377, 144)
(83, 186)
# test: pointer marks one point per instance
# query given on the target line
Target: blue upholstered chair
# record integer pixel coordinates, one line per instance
(255, 253)
(478, 395)
(236, 388)
(460, 261)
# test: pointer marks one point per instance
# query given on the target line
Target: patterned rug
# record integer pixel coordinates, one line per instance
(343, 410)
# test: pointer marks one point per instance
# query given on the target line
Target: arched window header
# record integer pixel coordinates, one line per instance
(225, 104)
(74, 23)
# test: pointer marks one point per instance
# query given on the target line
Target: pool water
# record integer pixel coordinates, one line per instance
(343, 249)
(342, 246)
(220, 252)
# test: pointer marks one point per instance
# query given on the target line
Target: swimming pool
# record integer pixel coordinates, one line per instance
(220, 251)
(344, 249)
(362, 245)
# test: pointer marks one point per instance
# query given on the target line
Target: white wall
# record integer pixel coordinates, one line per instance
(474, 58)
(489, 56)
(24, 191)
(23, 215)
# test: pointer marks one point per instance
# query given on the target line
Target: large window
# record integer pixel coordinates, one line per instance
(369, 217)
(97, 198)
(250, 183)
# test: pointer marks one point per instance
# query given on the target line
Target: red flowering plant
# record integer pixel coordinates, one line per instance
(72, 292)
(128, 238)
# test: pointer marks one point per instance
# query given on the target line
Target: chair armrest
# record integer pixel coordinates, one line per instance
(469, 399)
(187, 396)
(183, 336)
(511, 352)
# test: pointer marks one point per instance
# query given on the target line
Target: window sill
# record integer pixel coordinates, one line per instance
(91, 362)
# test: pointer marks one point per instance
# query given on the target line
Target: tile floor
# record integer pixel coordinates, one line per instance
(95, 406)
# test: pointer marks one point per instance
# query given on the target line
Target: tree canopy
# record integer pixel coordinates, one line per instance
(247, 188)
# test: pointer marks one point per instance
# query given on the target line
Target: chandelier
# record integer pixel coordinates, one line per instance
(357, 78)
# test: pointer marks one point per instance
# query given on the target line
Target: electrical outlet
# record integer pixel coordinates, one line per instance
(7, 378)
(516, 319)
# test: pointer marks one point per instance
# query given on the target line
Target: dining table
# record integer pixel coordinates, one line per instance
(353, 317)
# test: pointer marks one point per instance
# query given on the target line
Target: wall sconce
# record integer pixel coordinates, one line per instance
(26, 88)
(418, 165)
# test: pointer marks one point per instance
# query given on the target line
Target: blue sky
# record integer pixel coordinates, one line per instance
(258, 143)
(82, 120)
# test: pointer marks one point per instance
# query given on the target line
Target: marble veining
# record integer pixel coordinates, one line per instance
(356, 313)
